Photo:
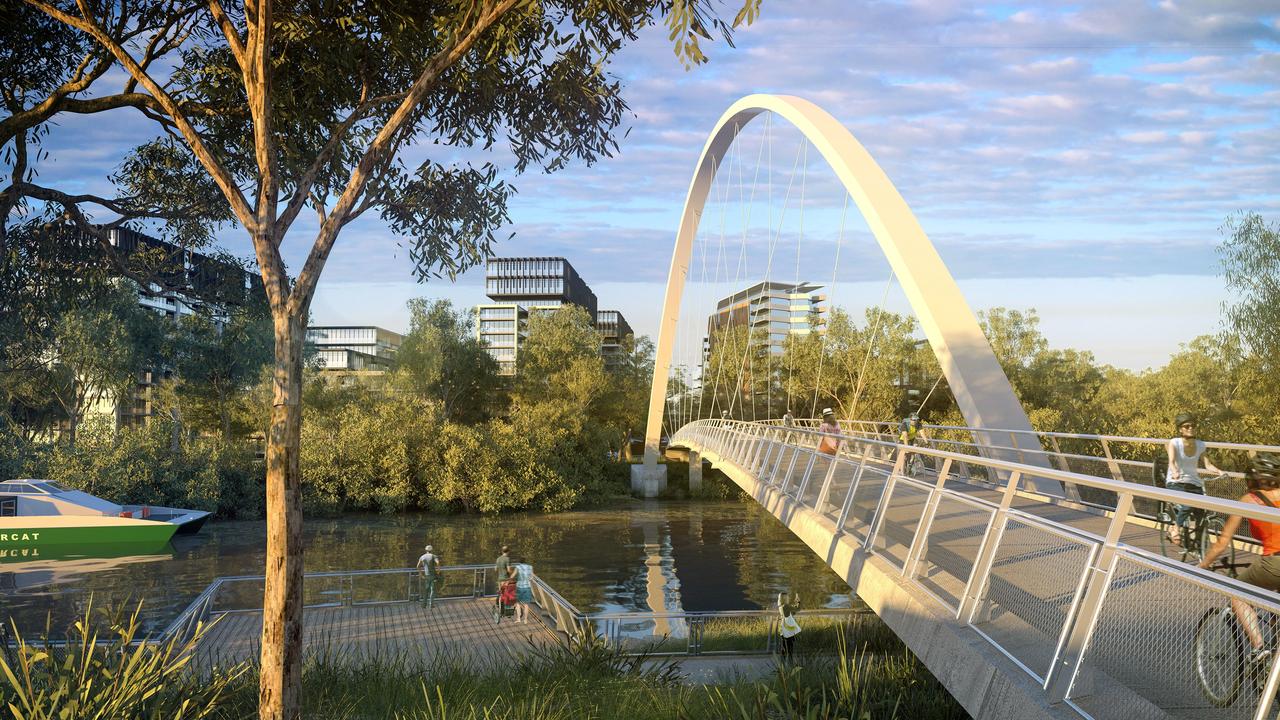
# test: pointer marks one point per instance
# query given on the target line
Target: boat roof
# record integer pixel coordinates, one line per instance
(31, 485)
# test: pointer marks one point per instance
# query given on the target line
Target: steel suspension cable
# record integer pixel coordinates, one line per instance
(822, 345)
(773, 245)
(875, 335)
(791, 362)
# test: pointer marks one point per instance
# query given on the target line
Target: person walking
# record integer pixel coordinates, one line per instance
(524, 590)
(829, 445)
(788, 626)
(502, 566)
(788, 420)
(429, 566)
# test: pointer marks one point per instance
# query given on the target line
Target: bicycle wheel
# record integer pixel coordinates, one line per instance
(1212, 530)
(1219, 656)
(1164, 521)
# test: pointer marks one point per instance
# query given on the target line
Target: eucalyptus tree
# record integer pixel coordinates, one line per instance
(441, 359)
(281, 108)
(1250, 257)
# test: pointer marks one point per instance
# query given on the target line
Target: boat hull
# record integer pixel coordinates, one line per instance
(21, 533)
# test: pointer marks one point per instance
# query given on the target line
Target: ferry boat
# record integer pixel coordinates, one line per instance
(43, 512)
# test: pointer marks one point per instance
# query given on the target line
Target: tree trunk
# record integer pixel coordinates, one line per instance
(280, 689)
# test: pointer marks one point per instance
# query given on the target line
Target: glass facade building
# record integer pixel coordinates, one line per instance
(537, 282)
(613, 328)
(774, 310)
(347, 347)
(502, 328)
(520, 285)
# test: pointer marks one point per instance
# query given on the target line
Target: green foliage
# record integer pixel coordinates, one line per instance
(1250, 257)
(215, 360)
(103, 346)
(105, 676)
(441, 359)
(140, 466)
(369, 453)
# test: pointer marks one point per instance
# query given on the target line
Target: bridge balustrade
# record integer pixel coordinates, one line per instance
(1073, 599)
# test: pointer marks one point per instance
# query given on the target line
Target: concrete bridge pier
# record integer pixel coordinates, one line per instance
(648, 479)
(695, 471)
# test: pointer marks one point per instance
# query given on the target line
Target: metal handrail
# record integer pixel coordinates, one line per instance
(891, 426)
(1080, 602)
(1206, 502)
(199, 608)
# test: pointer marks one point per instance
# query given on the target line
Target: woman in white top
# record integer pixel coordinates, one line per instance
(1185, 455)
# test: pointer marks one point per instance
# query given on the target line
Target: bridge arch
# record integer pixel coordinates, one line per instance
(982, 390)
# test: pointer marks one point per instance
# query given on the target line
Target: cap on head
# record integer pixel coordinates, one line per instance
(1183, 419)
(827, 411)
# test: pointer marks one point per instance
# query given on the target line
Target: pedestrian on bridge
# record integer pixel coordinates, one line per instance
(429, 566)
(829, 445)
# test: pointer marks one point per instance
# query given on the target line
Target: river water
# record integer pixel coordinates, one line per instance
(634, 556)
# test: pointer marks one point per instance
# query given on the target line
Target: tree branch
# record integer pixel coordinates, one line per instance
(229, 32)
(257, 86)
(219, 174)
(300, 298)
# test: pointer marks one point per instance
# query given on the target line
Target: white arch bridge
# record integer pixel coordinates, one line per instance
(1030, 579)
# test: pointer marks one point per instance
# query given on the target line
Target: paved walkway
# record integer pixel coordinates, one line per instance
(454, 629)
(1139, 662)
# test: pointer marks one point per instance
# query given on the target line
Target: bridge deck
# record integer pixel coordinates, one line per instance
(1046, 596)
(455, 629)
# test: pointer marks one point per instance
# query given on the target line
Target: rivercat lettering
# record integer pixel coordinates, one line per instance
(20, 552)
(19, 537)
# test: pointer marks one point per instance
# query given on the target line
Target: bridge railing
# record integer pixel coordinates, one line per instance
(1119, 457)
(1104, 625)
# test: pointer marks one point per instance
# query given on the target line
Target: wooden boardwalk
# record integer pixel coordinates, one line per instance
(460, 629)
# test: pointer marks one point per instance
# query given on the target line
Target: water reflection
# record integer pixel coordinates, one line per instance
(638, 557)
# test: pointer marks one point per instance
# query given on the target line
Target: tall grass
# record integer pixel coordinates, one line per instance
(867, 677)
(93, 675)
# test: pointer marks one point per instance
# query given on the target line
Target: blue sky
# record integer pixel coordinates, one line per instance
(1076, 157)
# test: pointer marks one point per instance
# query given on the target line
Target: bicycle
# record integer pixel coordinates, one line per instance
(1222, 652)
(1194, 539)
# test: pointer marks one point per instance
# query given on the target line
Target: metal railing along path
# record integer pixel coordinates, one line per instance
(1072, 598)
(736, 632)
(1118, 456)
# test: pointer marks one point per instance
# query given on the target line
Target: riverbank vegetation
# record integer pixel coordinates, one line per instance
(877, 367)
(867, 673)
(443, 432)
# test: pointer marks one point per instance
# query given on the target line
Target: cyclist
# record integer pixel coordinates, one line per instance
(908, 429)
(1185, 454)
(1263, 478)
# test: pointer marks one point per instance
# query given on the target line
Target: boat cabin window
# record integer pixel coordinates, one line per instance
(50, 486)
(14, 488)
(8, 507)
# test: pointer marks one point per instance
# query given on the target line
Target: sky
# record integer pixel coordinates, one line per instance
(1079, 158)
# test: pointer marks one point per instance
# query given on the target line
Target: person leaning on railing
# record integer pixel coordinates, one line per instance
(1263, 478)
(1185, 454)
